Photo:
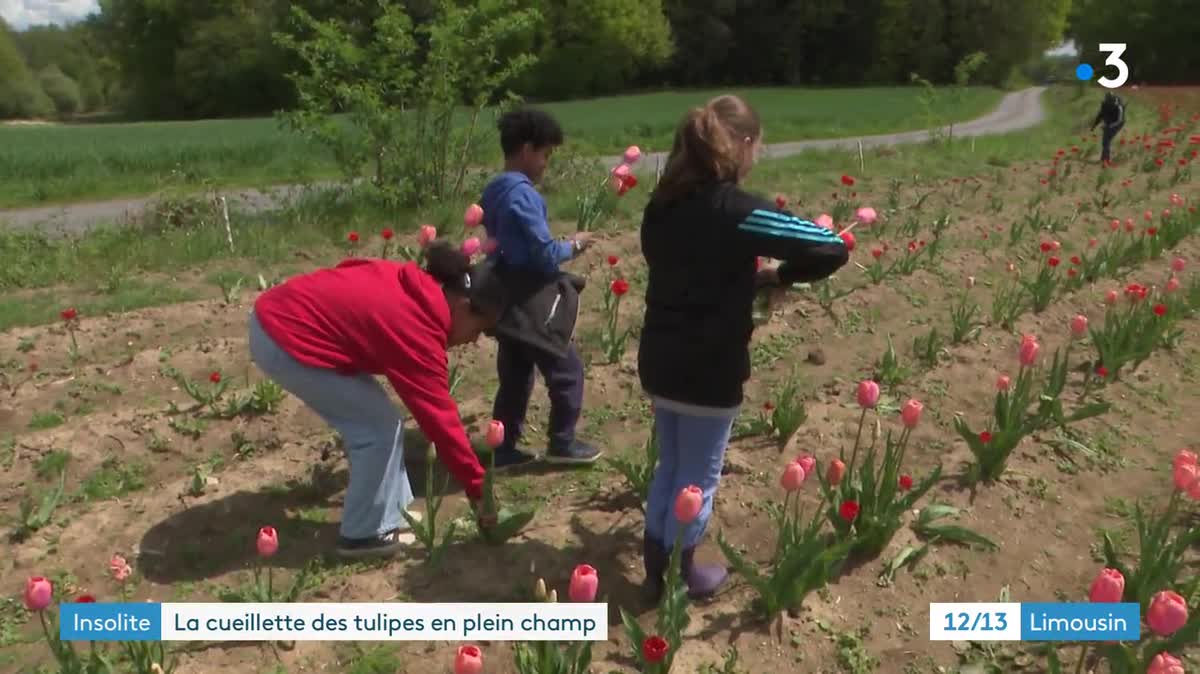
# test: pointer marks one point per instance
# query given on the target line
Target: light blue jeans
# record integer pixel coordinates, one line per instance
(372, 428)
(691, 451)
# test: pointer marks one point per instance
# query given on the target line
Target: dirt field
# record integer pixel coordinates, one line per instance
(182, 494)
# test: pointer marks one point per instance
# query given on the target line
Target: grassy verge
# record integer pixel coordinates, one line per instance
(58, 164)
(315, 228)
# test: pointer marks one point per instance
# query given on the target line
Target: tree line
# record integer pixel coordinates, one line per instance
(161, 59)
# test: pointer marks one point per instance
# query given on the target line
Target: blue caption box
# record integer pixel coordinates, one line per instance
(1082, 621)
(110, 622)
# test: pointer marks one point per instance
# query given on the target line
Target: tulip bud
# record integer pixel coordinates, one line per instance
(553, 597)
(539, 590)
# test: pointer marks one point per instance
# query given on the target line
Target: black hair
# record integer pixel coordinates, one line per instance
(447, 264)
(528, 125)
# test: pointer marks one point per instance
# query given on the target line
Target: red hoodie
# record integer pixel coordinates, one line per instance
(378, 317)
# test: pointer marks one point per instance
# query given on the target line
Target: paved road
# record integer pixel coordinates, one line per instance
(1017, 110)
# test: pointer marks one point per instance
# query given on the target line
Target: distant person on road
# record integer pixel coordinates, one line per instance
(322, 335)
(701, 236)
(1112, 113)
(515, 216)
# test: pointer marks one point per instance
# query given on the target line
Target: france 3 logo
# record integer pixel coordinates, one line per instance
(1084, 72)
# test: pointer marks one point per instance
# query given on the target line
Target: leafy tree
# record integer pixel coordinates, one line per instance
(589, 47)
(62, 90)
(401, 86)
(20, 93)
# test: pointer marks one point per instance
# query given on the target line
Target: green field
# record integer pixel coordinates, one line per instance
(51, 164)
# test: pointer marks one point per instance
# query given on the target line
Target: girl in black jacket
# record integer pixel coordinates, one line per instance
(701, 237)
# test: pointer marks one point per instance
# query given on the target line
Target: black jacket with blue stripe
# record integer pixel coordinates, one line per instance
(701, 250)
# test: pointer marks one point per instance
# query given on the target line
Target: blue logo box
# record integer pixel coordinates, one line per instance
(110, 622)
(1083, 621)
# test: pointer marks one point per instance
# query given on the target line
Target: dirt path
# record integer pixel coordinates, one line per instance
(1017, 110)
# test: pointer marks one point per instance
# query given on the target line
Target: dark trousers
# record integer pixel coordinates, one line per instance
(564, 379)
(1106, 139)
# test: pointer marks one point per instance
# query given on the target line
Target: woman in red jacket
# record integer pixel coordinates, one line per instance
(322, 335)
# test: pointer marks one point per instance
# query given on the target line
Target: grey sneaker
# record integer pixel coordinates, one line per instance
(575, 453)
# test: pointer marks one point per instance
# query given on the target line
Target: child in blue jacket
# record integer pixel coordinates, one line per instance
(515, 216)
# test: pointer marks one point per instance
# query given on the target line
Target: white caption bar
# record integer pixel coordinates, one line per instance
(384, 622)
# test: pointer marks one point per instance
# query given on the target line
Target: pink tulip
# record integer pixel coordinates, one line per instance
(688, 504)
(1003, 383)
(620, 170)
(1029, 352)
(426, 235)
(268, 542)
(473, 216)
(1079, 325)
(1108, 587)
(808, 462)
(632, 154)
(119, 569)
(1167, 613)
(1178, 264)
(824, 220)
(495, 433)
(469, 660)
(865, 215)
(793, 477)
(835, 473)
(910, 413)
(868, 394)
(38, 593)
(1172, 284)
(1111, 297)
(1165, 663)
(1185, 476)
(490, 246)
(584, 584)
(1176, 200)
(471, 246)
(1185, 456)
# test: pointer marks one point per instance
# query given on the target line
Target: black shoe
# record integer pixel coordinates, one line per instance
(655, 558)
(383, 545)
(509, 458)
(575, 453)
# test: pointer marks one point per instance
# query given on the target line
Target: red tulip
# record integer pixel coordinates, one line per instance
(352, 237)
(619, 287)
(68, 314)
(906, 482)
(613, 260)
(654, 649)
(387, 234)
(85, 599)
(215, 377)
(688, 504)
(848, 510)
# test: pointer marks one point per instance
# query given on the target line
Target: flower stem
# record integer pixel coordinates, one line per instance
(1082, 657)
(862, 418)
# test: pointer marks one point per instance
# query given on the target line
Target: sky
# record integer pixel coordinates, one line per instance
(22, 13)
